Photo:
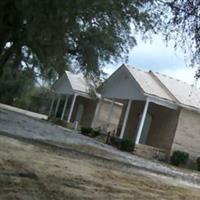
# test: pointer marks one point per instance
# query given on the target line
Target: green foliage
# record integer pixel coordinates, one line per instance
(95, 133)
(179, 157)
(52, 35)
(90, 132)
(180, 23)
(123, 144)
(14, 85)
(127, 145)
(115, 141)
(198, 163)
(86, 130)
(38, 99)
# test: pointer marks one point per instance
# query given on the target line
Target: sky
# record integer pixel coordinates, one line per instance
(158, 56)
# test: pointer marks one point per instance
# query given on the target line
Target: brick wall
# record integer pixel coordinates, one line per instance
(163, 127)
(88, 113)
(104, 112)
(187, 136)
(89, 110)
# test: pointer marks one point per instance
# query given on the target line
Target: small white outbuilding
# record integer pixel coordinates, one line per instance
(78, 104)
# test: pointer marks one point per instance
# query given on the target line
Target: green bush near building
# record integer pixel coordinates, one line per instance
(179, 157)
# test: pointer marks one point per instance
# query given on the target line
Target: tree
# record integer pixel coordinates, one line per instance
(12, 88)
(50, 36)
(181, 22)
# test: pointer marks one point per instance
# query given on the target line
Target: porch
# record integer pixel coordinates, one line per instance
(150, 112)
(151, 126)
(72, 108)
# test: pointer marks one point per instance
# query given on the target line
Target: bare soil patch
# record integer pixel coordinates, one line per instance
(31, 170)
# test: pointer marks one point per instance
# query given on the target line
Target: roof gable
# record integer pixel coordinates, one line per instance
(62, 85)
(157, 85)
(70, 83)
(168, 88)
(185, 93)
(149, 84)
(78, 82)
(121, 85)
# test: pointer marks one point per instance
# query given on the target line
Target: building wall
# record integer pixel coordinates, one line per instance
(103, 116)
(133, 120)
(187, 137)
(89, 111)
(121, 119)
(122, 85)
(62, 85)
(114, 120)
(162, 128)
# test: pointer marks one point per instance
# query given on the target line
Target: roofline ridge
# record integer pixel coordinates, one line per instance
(174, 78)
(132, 77)
(136, 68)
(189, 84)
(162, 85)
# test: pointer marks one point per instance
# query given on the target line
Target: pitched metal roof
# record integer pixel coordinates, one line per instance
(166, 87)
(78, 82)
(185, 93)
(149, 84)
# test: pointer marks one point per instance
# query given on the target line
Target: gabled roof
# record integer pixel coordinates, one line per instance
(149, 84)
(70, 83)
(185, 93)
(78, 82)
(166, 87)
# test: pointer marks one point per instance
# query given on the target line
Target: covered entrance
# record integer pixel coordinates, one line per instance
(149, 116)
(71, 103)
(149, 124)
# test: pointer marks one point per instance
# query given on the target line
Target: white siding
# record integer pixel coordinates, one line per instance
(62, 86)
(122, 86)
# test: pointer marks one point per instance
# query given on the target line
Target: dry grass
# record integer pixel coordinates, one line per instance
(29, 170)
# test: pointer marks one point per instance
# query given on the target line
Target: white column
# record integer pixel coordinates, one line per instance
(64, 108)
(57, 105)
(142, 122)
(125, 118)
(96, 114)
(109, 115)
(51, 107)
(71, 108)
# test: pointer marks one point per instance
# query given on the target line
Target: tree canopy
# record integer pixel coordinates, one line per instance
(52, 35)
(44, 38)
(181, 23)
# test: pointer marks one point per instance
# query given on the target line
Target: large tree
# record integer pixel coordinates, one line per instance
(53, 35)
(181, 23)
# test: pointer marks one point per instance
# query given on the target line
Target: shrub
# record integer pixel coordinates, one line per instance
(95, 133)
(37, 99)
(86, 130)
(179, 157)
(198, 163)
(115, 141)
(127, 145)
(122, 144)
(90, 132)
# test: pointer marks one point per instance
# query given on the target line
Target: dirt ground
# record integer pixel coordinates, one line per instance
(31, 170)
(39, 160)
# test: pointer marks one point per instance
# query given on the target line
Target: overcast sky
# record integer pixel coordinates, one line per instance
(157, 56)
